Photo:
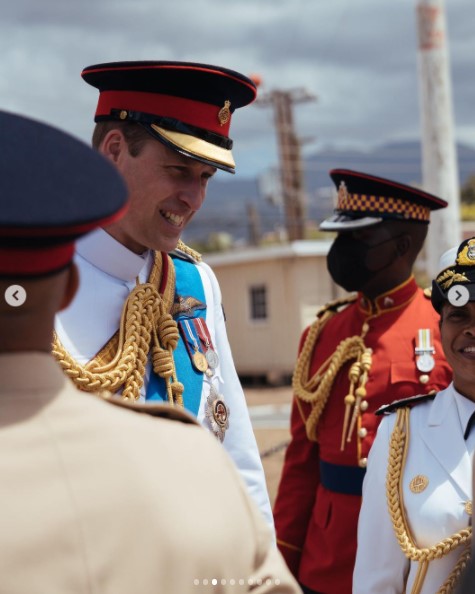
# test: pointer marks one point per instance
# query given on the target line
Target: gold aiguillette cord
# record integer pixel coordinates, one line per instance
(358, 374)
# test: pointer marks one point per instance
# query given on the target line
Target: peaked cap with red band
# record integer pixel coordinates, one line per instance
(365, 200)
(53, 189)
(186, 106)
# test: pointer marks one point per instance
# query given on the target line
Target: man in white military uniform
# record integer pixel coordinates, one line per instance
(414, 528)
(148, 322)
(95, 496)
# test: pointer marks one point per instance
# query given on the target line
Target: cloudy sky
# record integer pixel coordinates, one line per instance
(359, 57)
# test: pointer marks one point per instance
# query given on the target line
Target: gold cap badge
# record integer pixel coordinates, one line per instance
(224, 113)
(342, 193)
(466, 257)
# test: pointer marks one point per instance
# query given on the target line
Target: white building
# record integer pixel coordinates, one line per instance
(270, 294)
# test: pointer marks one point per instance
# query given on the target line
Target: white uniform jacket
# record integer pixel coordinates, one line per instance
(108, 273)
(437, 450)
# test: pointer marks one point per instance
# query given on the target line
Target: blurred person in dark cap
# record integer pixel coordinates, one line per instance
(380, 343)
(97, 494)
(414, 530)
(147, 322)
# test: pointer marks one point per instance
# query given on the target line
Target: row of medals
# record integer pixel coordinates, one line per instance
(216, 410)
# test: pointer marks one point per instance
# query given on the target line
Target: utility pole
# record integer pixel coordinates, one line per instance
(253, 223)
(291, 167)
(439, 161)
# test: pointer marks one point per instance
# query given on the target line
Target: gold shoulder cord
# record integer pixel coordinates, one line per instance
(182, 247)
(398, 447)
(316, 390)
(145, 321)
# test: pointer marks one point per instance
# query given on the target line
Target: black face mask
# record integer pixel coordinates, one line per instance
(348, 262)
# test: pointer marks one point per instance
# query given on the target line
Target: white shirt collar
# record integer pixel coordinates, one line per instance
(465, 407)
(106, 253)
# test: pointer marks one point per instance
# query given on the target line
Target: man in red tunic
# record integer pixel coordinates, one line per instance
(379, 345)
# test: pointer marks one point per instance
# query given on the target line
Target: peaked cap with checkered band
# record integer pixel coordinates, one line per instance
(365, 200)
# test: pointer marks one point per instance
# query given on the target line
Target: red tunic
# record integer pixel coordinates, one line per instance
(316, 527)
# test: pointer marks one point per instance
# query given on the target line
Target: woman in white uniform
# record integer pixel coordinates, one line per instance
(414, 530)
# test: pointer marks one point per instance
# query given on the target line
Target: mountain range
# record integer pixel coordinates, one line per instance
(228, 200)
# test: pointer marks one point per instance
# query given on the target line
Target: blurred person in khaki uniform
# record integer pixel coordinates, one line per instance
(98, 495)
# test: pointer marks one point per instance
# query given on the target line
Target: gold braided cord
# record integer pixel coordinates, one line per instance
(108, 356)
(316, 390)
(365, 360)
(145, 322)
(302, 367)
(449, 585)
(350, 399)
(398, 448)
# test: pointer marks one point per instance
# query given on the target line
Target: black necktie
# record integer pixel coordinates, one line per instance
(470, 424)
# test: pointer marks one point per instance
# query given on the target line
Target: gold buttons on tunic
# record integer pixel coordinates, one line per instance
(418, 483)
(423, 378)
(362, 463)
(362, 432)
(363, 405)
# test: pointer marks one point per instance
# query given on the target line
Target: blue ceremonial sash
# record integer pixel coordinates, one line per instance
(188, 282)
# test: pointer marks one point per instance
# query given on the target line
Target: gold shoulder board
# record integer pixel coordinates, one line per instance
(161, 410)
(185, 251)
(387, 409)
(336, 305)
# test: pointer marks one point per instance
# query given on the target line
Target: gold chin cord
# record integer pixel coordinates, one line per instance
(398, 448)
(145, 324)
(316, 390)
